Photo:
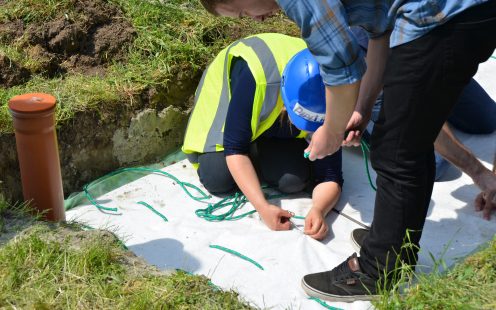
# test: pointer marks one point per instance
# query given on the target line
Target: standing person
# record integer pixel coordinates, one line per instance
(436, 47)
(239, 133)
(474, 113)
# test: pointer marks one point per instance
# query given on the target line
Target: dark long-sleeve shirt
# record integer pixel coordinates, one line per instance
(238, 133)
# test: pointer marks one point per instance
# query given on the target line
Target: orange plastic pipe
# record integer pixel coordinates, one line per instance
(37, 150)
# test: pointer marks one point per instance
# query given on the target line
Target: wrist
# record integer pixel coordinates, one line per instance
(365, 110)
(334, 128)
(261, 206)
(476, 170)
(319, 210)
(485, 179)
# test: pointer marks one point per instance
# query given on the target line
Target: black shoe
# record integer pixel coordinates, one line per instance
(345, 283)
(357, 237)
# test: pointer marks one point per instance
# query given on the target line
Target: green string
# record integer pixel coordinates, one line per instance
(234, 202)
(93, 202)
(214, 246)
(366, 149)
(153, 210)
(322, 303)
(184, 185)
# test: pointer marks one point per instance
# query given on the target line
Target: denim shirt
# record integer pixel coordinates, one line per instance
(324, 26)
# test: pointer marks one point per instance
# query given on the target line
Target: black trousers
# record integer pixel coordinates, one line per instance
(279, 163)
(422, 82)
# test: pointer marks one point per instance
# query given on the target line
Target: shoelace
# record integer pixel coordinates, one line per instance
(343, 272)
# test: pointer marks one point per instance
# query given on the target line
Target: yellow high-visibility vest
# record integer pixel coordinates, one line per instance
(266, 55)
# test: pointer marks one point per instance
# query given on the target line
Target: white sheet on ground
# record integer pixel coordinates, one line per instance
(183, 242)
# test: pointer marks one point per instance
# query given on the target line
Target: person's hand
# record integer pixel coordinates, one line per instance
(355, 128)
(324, 142)
(275, 218)
(315, 225)
(486, 200)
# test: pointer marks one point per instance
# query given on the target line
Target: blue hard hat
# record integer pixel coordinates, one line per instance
(303, 91)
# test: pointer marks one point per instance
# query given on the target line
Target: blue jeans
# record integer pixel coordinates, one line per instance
(474, 113)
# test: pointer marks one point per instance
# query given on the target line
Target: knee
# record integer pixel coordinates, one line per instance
(487, 127)
(290, 183)
(482, 127)
(218, 185)
(216, 181)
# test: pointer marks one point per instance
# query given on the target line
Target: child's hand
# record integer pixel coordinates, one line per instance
(315, 225)
(275, 218)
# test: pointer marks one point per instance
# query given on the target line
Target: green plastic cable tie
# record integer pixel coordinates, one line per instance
(322, 303)
(153, 210)
(493, 57)
(298, 217)
(214, 246)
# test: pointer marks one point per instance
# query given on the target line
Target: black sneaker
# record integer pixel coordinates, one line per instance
(357, 237)
(345, 283)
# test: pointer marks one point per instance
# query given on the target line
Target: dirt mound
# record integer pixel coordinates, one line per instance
(85, 40)
(11, 73)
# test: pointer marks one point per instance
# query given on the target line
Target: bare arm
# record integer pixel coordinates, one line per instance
(453, 150)
(371, 86)
(246, 178)
(340, 103)
(324, 197)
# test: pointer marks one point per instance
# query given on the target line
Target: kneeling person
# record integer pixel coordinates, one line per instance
(240, 133)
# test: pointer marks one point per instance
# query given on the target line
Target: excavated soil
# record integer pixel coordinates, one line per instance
(85, 44)
(12, 74)
(93, 143)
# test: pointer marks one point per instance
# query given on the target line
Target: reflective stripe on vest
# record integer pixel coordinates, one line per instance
(215, 135)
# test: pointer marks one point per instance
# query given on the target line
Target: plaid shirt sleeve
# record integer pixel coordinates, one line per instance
(324, 28)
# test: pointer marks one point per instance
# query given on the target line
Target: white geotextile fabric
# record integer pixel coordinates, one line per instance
(183, 242)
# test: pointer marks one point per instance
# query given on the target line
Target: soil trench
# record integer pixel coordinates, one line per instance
(92, 143)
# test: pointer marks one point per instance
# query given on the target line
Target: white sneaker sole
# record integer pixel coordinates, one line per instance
(355, 244)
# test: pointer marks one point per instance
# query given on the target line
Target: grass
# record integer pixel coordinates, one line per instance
(60, 266)
(49, 268)
(14, 217)
(175, 41)
(52, 266)
(470, 284)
